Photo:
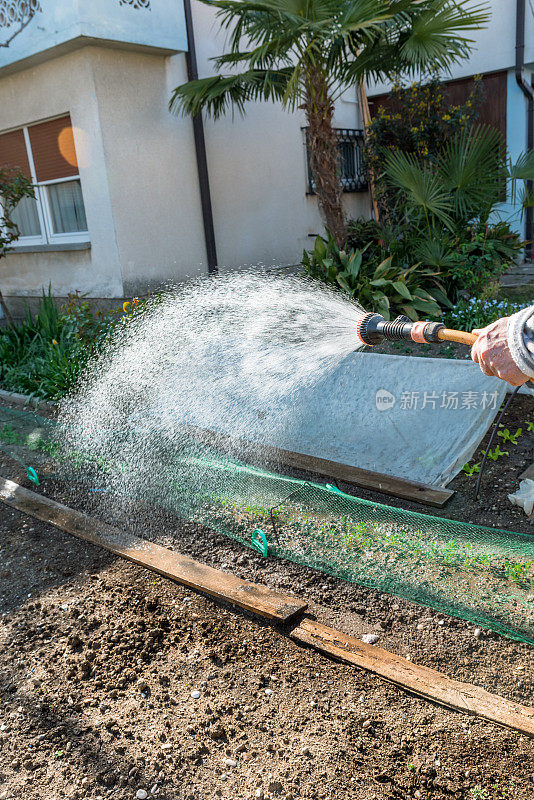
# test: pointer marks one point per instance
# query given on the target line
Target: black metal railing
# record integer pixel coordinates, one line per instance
(352, 171)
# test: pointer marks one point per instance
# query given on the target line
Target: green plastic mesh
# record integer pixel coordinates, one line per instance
(482, 575)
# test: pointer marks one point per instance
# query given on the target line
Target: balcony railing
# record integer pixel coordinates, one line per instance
(352, 172)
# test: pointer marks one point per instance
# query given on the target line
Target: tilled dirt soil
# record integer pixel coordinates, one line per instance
(117, 683)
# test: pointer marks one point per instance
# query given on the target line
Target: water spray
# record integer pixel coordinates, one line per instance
(372, 329)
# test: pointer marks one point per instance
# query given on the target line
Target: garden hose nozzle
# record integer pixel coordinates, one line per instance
(372, 329)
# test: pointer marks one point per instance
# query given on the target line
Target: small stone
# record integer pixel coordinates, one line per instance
(268, 692)
(477, 633)
(195, 694)
(142, 685)
(306, 751)
(420, 627)
(142, 794)
(366, 724)
(259, 794)
(441, 622)
(229, 762)
(370, 638)
(275, 787)
(154, 789)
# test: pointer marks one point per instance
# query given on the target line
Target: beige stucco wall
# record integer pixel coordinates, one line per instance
(139, 176)
(151, 170)
(65, 85)
(257, 166)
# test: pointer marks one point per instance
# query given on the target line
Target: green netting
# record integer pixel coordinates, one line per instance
(480, 574)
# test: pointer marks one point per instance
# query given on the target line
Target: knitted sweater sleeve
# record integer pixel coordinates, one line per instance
(521, 340)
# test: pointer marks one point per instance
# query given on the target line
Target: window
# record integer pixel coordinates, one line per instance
(352, 170)
(45, 153)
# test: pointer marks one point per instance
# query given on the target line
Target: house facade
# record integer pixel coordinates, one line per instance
(119, 208)
(503, 54)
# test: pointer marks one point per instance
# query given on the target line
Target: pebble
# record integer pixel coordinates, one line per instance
(370, 638)
(306, 751)
(195, 694)
(366, 724)
(142, 684)
(142, 794)
(268, 692)
(478, 633)
(275, 787)
(229, 762)
(259, 794)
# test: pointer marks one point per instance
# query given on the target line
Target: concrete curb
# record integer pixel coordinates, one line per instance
(25, 400)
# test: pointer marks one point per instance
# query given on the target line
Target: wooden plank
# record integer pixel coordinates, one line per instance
(423, 681)
(251, 596)
(376, 481)
(528, 473)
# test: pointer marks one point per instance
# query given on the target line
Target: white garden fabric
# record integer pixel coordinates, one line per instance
(412, 417)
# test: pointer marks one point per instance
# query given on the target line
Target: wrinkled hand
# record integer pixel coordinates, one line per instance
(491, 352)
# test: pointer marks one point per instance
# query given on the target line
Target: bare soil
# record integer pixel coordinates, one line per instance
(99, 659)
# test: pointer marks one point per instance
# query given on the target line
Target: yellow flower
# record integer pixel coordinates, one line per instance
(126, 306)
(54, 341)
(446, 117)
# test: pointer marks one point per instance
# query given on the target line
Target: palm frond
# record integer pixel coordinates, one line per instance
(437, 32)
(523, 169)
(423, 190)
(433, 253)
(218, 94)
(472, 169)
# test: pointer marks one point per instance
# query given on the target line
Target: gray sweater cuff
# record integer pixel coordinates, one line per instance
(521, 340)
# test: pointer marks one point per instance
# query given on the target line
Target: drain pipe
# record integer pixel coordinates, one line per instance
(200, 147)
(528, 91)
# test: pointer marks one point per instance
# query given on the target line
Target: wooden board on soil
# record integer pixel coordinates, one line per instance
(387, 484)
(250, 596)
(422, 681)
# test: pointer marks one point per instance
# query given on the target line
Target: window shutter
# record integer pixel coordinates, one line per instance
(54, 155)
(13, 152)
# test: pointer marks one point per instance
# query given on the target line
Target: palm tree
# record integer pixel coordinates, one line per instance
(307, 53)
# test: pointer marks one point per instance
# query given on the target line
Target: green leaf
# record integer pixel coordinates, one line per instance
(343, 283)
(380, 282)
(355, 263)
(402, 289)
(383, 267)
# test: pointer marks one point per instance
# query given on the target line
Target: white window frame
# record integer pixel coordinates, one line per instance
(47, 237)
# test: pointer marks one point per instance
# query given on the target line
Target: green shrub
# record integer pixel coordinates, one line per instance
(45, 355)
(380, 286)
(419, 122)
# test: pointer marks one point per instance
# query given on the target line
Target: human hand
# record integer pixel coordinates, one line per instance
(493, 355)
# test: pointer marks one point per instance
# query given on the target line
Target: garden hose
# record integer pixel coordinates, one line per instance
(372, 329)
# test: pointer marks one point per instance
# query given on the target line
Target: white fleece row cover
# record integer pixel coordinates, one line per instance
(413, 417)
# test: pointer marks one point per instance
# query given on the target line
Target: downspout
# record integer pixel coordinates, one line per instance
(528, 91)
(200, 147)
